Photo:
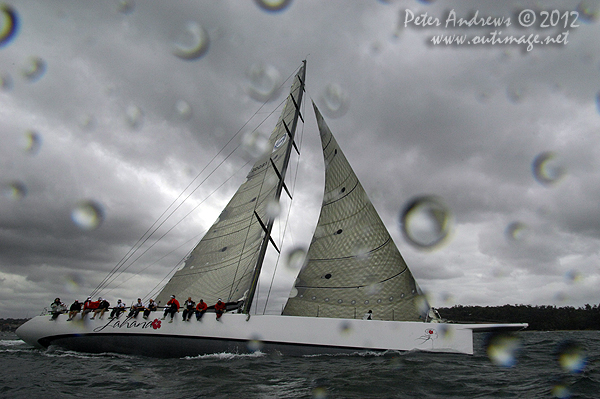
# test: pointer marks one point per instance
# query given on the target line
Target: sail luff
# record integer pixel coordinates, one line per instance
(281, 176)
(222, 264)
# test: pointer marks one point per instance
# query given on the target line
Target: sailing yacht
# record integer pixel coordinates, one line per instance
(352, 266)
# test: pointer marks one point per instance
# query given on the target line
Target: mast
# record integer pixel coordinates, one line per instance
(291, 131)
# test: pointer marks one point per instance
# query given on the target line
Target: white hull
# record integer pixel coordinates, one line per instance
(236, 333)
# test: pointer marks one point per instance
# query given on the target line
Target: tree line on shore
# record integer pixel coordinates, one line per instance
(539, 318)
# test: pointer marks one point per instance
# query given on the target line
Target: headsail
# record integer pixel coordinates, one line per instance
(352, 264)
(223, 263)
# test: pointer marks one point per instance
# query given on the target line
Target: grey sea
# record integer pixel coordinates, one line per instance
(532, 365)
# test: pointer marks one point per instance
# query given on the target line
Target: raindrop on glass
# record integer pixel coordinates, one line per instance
(573, 276)
(9, 24)
(273, 208)
(588, 11)
(335, 101)
(87, 122)
(560, 390)
(422, 305)
(14, 190)
(255, 143)
(515, 92)
(183, 109)
(547, 168)
(345, 328)
(296, 259)
(273, 5)
(134, 116)
(502, 349)
(254, 345)
(125, 6)
(425, 221)
(35, 69)
(88, 215)
(192, 43)
(516, 232)
(33, 142)
(264, 82)
(6, 82)
(571, 357)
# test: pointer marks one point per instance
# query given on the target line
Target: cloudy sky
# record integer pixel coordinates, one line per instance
(109, 109)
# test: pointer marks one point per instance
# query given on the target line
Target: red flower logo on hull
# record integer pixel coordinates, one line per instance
(156, 324)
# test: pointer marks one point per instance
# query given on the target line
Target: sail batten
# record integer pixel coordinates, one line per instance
(352, 263)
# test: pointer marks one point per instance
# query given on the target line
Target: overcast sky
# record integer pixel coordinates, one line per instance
(115, 106)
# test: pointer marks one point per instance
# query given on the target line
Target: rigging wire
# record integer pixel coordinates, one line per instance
(156, 225)
(295, 179)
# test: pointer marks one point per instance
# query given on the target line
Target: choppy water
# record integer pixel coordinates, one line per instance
(537, 371)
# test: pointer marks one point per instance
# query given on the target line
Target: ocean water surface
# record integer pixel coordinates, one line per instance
(527, 365)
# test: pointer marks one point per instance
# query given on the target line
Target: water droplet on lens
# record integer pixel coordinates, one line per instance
(88, 215)
(571, 357)
(255, 143)
(33, 142)
(35, 69)
(547, 168)
(502, 349)
(560, 390)
(6, 82)
(15, 190)
(134, 116)
(183, 109)
(273, 5)
(273, 208)
(9, 24)
(426, 222)
(192, 43)
(254, 345)
(516, 232)
(296, 259)
(588, 11)
(126, 6)
(264, 82)
(515, 92)
(335, 101)
(573, 276)
(345, 328)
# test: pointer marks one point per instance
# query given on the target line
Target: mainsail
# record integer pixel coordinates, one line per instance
(226, 262)
(352, 263)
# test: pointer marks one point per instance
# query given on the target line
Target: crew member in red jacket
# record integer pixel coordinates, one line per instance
(171, 308)
(219, 309)
(201, 309)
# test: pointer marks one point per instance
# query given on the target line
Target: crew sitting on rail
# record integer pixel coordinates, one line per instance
(136, 308)
(102, 308)
(220, 308)
(118, 309)
(171, 308)
(201, 309)
(89, 306)
(57, 307)
(188, 310)
(74, 309)
(149, 307)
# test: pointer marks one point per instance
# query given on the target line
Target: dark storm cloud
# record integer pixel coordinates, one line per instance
(464, 124)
